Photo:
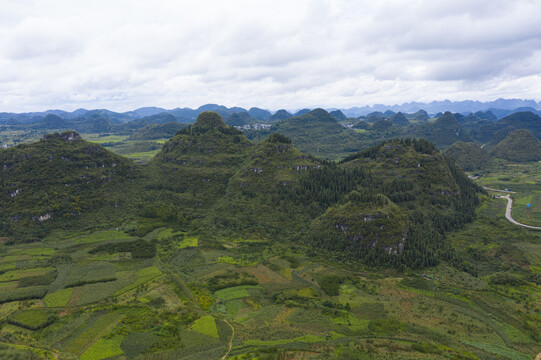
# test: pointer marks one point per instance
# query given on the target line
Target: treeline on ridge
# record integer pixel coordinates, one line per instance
(389, 205)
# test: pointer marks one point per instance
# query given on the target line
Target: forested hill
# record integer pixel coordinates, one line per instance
(254, 204)
(194, 167)
(319, 133)
(443, 132)
(408, 181)
(468, 155)
(389, 205)
(61, 181)
(520, 145)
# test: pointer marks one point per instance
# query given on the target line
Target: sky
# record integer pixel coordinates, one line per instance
(126, 54)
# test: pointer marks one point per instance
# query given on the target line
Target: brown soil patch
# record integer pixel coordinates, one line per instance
(265, 275)
(75, 296)
(164, 291)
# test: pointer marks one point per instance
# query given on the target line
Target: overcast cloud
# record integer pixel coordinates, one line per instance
(125, 54)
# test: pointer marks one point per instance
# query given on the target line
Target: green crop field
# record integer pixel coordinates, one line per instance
(31, 319)
(104, 348)
(101, 237)
(143, 276)
(59, 298)
(19, 274)
(500, 350)
(237, 292)
(206, 325)
(93, 333)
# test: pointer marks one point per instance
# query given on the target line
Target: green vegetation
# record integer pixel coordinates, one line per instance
(101, 236)
(60, 181)
(237, 292)
(520, 145)
(390, 253)
(143, 276)
(32, 319)
(104, 348)
(59, 298)
(319, 133)
(137, 343)
(443, 132)
(157, 131)
(206, 325)
(468, 156)
(499, 350)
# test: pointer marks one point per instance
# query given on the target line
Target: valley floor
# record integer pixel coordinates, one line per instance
(263, 300)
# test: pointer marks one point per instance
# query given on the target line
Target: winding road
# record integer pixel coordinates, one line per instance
(510, 218)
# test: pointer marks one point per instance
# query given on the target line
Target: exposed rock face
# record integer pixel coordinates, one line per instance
(66, 136)
(44, 217)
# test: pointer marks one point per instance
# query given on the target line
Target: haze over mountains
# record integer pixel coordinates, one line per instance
(499, 108)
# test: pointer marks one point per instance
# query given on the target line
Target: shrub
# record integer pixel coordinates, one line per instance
(417, 283)
(278, 138)
(506, 279)
(330, 284)
(387, 326)
(139, 249)
(137, 343)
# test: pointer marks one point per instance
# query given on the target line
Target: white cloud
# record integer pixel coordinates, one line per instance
(276, 54)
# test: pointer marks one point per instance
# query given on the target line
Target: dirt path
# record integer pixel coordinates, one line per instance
(496, 190)
(230, 340)
(538, 357)
(510, 217)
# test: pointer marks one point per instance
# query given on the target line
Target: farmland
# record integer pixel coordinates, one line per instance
(282, 299)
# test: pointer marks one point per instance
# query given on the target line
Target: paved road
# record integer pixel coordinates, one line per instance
(510, 218)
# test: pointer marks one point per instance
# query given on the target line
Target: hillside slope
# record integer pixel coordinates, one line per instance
(468, 155)
(252, 204)
(443, 132)
(194, 167)
(60, 181)
(520, 145)
(319, 133)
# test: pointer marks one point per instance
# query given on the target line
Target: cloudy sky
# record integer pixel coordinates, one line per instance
(125, 54)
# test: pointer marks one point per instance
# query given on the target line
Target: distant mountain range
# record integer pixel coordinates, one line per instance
(499, 108)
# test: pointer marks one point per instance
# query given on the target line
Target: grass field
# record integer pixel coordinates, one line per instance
(532, 215)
